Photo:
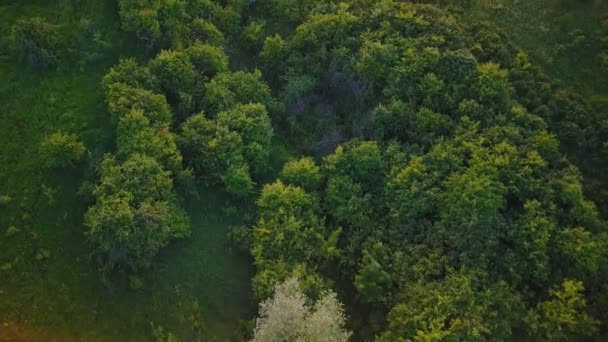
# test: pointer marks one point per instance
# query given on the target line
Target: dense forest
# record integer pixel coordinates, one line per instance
(303, 170)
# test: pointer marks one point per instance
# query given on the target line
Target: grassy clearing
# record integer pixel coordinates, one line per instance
(49, 287)
(559, 35)
(200, 285)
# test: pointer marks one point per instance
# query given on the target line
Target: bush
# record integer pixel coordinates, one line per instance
(61, 149)
(238, 181)
(5, 200)
(36, 41)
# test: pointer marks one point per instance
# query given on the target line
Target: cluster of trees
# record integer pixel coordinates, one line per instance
(223, 123)
(225, 129)
(176, 23)
(441, 194)
(137, 211)
(454, 212)
(231, 148)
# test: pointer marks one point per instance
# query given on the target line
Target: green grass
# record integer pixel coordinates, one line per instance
(63, 296)
(49, 286)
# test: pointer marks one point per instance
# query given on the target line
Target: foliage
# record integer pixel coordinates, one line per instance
(36, 42)
(135, 214)
(129, 72)
(452, 202)
(61, 149)
(135, 135)
(207, 59)
(564, 314)
(288, 317)
(302, 172)
(122, 98)
(252, 123)
(253, 34)
(141, 18)
(205, 31)
(229, 89)
(445, 184)
(273, 53)
(231, 149)
(177, 76)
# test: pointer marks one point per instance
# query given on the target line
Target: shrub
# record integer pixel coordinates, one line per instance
(61, 149)
(36, 41)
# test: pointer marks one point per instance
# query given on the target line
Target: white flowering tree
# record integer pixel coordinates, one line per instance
(287, 316)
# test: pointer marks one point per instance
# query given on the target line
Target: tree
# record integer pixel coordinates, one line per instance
(493, 86)
(302, 172)
(582, 252)
(36, 41)
(372, 281)
(128, 235)
(272, 272)
(61, 149)
(134, 215)
(348, 204)
(375, 60)
(564, 314)
(177, 77)
(210, 148)
(359, 160)
(451, 309)
(253, 34)
(206, 32)
(135, 135)
(141, 18)
(238, 181)
(207, 59)
(281, 316)
(273, 53)
(121, 99)
(390, 121)
(227, 89)
(140, 175)
(129, 72)
(174, 19)
(289, 227)
(461, 209)
(299, 93)
(288, 317)
(252, 123)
